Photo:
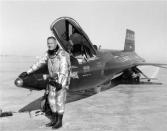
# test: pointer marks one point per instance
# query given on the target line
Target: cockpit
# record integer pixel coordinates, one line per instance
(73, 39)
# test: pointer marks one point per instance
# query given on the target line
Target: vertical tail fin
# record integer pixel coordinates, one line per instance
(129, 41)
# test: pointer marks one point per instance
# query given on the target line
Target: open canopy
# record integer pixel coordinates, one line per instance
(69, 34)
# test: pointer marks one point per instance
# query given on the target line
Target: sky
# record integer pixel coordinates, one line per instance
(25, 25)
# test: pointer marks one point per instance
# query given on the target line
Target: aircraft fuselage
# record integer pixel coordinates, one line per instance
(106, 66)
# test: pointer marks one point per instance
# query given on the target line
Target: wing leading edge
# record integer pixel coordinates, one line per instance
(161, 65)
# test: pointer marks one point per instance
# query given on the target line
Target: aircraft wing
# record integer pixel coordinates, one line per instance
(151, 64)
(159, 65)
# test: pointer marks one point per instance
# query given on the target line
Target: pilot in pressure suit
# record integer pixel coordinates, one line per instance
(59, 65)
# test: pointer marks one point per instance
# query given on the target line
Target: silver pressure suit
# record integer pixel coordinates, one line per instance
(59, 70)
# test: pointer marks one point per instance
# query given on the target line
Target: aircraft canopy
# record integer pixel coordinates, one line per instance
(69, 34)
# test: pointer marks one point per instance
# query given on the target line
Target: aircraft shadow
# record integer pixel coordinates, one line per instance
(71, 97)
(78, 95)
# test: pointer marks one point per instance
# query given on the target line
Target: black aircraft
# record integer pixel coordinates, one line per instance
(91, 66)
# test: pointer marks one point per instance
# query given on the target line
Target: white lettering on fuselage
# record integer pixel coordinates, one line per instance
(86, 68)
(123, 58)
(130, 36)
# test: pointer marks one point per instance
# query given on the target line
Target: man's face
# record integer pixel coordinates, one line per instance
(51, 44)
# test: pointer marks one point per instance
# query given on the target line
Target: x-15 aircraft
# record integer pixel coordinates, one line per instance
(91, 66)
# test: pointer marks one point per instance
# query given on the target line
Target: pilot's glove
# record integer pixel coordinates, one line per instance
(52, 82)
(23, 75)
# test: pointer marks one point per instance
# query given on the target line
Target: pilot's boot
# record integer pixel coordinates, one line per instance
(59, 122)
(54, 120)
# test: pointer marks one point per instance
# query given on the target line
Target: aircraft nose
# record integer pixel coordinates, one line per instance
(19, 82)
